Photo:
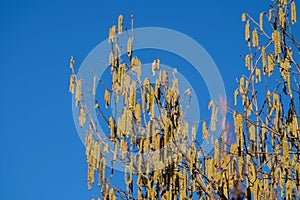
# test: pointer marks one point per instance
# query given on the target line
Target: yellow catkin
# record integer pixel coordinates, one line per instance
(281, 18)
(120, 24)
(243, 17)
(247, 31)
(82, 117)
(175, 88)
(248, 61)
(107, 98)
(264, 59)
(238, 124)
(129, 47)
(112, 61)
(111, 127)
(137, 113)
(158, 64)
(241, 85)
(252, 132)
(276, 40)
(261, 21)
(153, 67)
(72, 83)
(112, 34)
(132, 95)
(283, 2)
(111, 194)
(72, 61)
(258, 77)
(236, 93)
(194, 132)
(204, 130)
(269, 96)
(254, 38)
(284, 67)
(78, 92)
(289, 188)
(293, 15)
(216, 152)
(249, 109)
(271, 64)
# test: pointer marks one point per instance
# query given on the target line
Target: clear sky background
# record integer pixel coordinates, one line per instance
(41, 155)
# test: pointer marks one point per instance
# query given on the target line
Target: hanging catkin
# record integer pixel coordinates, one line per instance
(204, 131)
(120, 24)
(194, 133)
(258, 77)
(137, 113)
(276, 40)
(82, 117)
(261, 21)
(132, 95)
(72, 83)
(293, 10)
(111, 127)
(107, 98)
(264, 59)
(78, 92)
(243, 17)
(281, 18)
(271, 64)
(112, 34)
(236, 93)
(248, 61)
(175, 89)
(247, 32)
(254, 38)
(129, 47)
(153, 67)
(72, 63)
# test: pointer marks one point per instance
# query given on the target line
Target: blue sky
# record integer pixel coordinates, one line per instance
(41, 154)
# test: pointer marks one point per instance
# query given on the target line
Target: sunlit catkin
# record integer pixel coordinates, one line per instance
(293, 12)
(132, 95)
(107, 98)
(236, 93)
(271, 64)
(248, 61)
(137, 113)
(264, 59)
(72, 83)
(247, 31)
(153, 67)
(243, 17)
(261, 21)
(78, 92)
(82, 117)
(120, 24)
(276, 40)
(129, 47)
(204, 130)
(112, 34)
(254, 38)
(258, 76)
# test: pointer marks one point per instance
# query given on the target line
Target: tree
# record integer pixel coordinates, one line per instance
(158, 146)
